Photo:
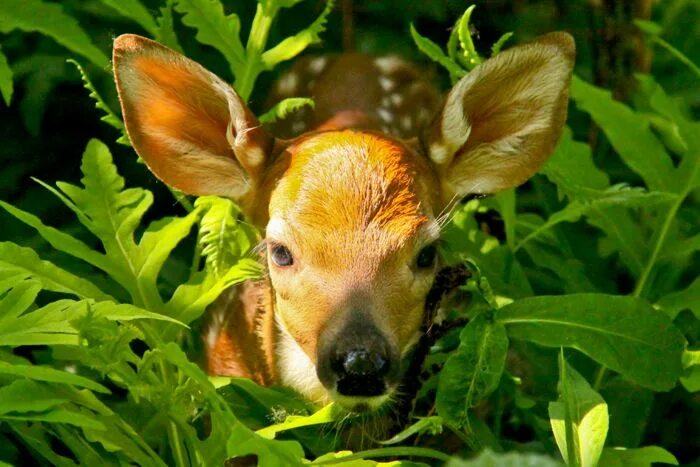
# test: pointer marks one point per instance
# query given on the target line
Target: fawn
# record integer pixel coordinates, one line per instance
(350, 203)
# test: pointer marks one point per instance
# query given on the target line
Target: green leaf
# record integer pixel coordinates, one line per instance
(294, 45)
(579, 418)
(686, 299)
(50, 375)
(59, 240)
(435, 53)
(469, 57)
(27, 396)
(134, 9)
(639, 457)
(498, 45)
(191, 299)
(268, 452)
(327, 414)
(223, 236)
(285, 107)
(109, 116)
(572, 170)
(488, 458)
(216, 29)
(691, 364)
(431, 425)
(165, 34)
(643, 153)
(20, 261)
(615, 196)
(5, 79)
(50, 20)
(625, 334)
(473, 371)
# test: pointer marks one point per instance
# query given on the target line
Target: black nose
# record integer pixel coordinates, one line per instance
(360, 372)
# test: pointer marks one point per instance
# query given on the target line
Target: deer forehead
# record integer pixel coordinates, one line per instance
(364, 190)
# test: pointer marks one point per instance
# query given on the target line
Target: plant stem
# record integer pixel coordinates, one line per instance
(254, 49)
(678, 54)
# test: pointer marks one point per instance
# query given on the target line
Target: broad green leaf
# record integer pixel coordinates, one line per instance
(643, 153)
(435, 53)
(17, 260)
(623, 234)
(5, 79)
(27, 396)
(268, 452)
(109, 116)
(134, 9)
(579, 419)
(639, 457)
(50, 20)
(616, 196)
(686, 299)
(327, 414)
(294, 45)
(629, 406)
(473, 371)
(50, 375)
(35, 438)
(572, 170)
(623, 333)
(127, 312)
(216, 29)
(223, 236)
(285, 107)
(488, 458)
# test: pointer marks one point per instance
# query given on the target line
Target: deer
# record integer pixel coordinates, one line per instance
(349, 196)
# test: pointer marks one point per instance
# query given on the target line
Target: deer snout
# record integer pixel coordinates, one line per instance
(357, 361)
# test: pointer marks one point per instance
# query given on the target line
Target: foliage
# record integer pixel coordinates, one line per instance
(591, 269)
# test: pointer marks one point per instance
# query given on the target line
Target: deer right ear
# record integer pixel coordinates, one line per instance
(189, 126)
(501, 121)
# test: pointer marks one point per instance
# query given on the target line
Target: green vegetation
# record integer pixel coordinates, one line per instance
(583, 307)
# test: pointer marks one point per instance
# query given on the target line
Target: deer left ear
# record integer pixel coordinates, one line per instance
(501, 122)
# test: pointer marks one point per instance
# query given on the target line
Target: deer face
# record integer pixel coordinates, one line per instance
(349, 216)
(351, 254)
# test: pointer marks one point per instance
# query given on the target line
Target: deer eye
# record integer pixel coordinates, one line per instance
(426, 257)
(281, 256)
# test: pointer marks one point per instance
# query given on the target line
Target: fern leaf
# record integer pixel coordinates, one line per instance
(285, 107)
(216, 29)
(50, 20)
(134, 9)
(224, 239)
(165, 34)
(294, 45)
(109, 116)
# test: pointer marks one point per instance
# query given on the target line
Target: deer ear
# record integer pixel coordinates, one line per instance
(502, 120)
(190, 127)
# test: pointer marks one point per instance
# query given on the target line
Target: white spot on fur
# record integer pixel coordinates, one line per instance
(385, 115)
(387, 84)
(406, 122)
(288, 83)
(318, 64)
(276, 228)
(388, 65)
(396, 99)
